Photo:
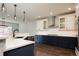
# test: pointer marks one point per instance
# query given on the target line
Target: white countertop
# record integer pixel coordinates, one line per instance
(60, 35)
(2, 37)
(16, 43)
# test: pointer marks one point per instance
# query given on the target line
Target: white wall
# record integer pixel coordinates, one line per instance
(28, 27)
(22, 25)
(31, 28)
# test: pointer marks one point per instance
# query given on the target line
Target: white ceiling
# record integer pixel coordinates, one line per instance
(33, 10)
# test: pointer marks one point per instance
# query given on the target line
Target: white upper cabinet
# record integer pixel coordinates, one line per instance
(67, 22)
(63, 22)
(46, 23)
(42, 24)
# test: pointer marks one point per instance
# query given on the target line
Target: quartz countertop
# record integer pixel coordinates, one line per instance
(16, 43)
(2, 37)
(59, 35)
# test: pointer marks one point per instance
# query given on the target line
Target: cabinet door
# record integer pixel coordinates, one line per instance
(70, 22)
(42, 24)
(67, 22)
(62, 23)
(39, 25)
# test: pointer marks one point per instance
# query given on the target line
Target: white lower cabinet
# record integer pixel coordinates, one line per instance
(2, 46)
(1, 53)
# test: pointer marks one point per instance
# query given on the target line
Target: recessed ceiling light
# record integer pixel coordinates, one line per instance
(39, 16)
(77, 7)
(69, 8)
(51, 13)
(8, 15)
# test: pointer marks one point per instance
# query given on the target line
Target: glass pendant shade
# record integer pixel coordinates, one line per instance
(3, 8)
(3, 11)
(15, 12)
(24, 16)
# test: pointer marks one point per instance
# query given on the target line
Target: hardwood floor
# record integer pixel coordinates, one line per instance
(48, 50)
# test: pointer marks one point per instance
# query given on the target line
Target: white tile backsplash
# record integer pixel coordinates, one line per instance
(5, 31)
(57, 32)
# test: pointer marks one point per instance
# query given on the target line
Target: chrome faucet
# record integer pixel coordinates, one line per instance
(16, 30)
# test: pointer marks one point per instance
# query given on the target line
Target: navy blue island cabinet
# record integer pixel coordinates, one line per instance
(60, 41)
(27, 50)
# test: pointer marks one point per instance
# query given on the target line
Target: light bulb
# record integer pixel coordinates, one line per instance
(51, 13)
(39, 16)
(15, 17)
(69, 9)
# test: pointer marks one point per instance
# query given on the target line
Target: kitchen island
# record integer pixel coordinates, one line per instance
(60, 41)
(19, 47)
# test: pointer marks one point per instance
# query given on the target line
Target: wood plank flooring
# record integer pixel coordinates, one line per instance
(48, 50)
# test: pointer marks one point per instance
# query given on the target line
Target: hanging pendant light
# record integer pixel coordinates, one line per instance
(3, 8)
(24, 16)
(15, 17)
(3, 11)
(3, 14)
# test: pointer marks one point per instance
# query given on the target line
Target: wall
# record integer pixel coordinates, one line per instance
(21, 24)
(31, 27)
(28, 27)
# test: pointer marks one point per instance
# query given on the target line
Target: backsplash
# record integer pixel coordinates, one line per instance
(5, 31)
(57, 32)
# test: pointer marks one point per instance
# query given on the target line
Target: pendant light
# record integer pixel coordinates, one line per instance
(24, 16)
(15, 17)
(3, 8)
(3, 14)
(3, 11)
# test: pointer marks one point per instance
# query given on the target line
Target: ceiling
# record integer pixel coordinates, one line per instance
(33, 10)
